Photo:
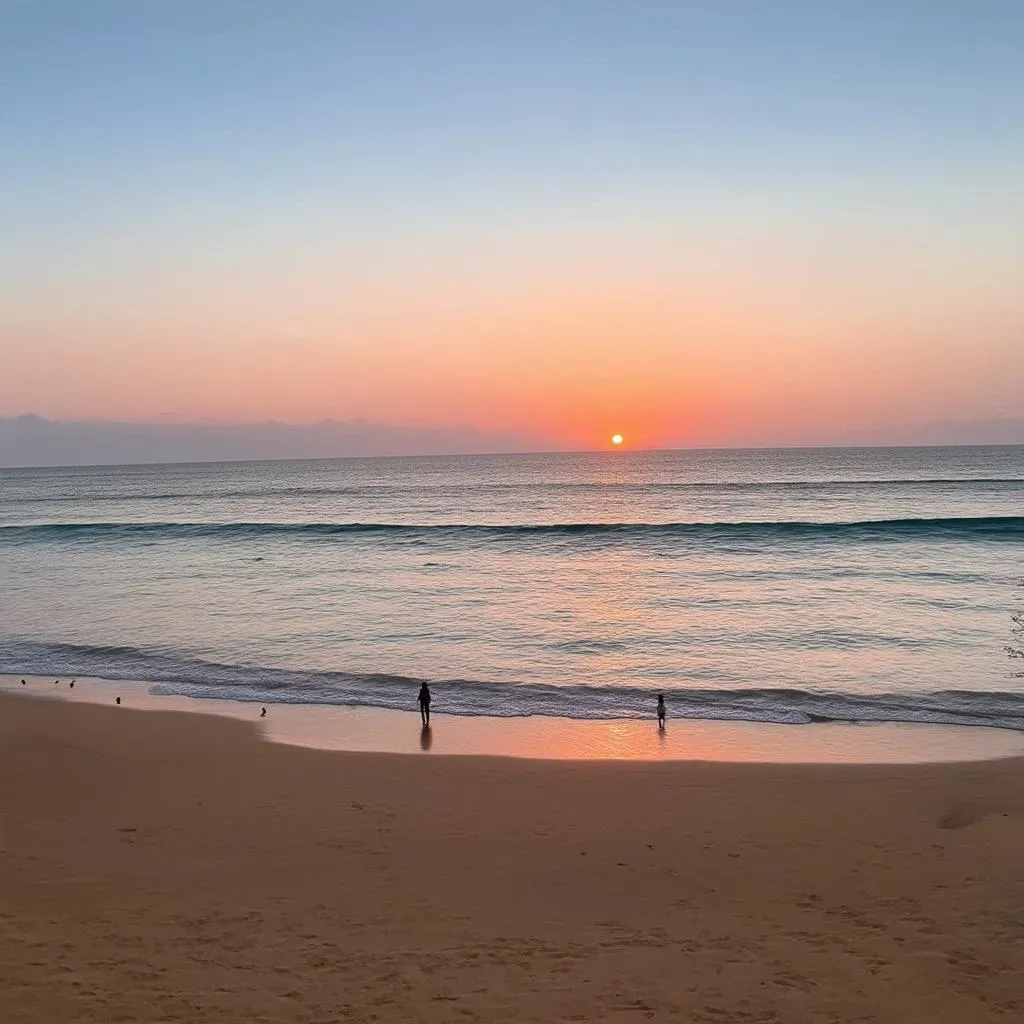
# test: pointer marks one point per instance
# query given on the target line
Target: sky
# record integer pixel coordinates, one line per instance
(694, 223)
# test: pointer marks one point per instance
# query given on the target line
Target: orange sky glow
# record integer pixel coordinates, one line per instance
(571, 353)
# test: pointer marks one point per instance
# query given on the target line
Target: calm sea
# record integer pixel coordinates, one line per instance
(780, 586)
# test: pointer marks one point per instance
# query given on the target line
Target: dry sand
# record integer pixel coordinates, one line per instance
(164, 867)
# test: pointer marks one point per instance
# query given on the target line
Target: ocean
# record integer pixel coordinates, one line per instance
(789, 586)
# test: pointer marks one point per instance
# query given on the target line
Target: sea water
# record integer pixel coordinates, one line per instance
(773, 585)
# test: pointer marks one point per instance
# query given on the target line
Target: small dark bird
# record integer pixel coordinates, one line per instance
(263, 712)
(23, 682)
(71, 685)
(56, 681)
(117, 700)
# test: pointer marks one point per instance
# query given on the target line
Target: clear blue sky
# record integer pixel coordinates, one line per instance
(442, 206)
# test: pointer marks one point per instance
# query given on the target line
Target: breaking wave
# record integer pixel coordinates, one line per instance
(174, 674)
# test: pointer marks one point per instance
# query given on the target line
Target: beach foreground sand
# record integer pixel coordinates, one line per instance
(165, 867)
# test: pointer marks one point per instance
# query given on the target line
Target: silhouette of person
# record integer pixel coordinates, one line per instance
(424, 700)
(661, 711)
(263, 712)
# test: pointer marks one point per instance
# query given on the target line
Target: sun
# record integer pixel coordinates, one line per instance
(617, 439)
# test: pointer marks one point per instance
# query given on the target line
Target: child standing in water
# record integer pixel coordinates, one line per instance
(661, 711)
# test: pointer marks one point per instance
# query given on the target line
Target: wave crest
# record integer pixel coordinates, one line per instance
(1009, 528)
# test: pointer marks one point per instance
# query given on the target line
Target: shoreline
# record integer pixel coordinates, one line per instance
(172, 867)
(377, 730)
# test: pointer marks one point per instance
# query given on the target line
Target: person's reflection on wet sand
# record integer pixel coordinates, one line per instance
(426, 737)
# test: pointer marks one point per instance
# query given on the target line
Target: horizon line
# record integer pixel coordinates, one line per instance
(611, 452)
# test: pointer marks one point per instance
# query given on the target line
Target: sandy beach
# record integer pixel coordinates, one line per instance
(171, 867)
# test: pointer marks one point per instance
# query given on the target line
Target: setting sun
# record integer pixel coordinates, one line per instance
(616, 439)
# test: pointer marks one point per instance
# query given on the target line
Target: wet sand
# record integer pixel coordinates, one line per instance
(170, 867)
(333, 727)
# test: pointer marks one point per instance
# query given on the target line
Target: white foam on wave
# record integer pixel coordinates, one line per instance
(190, 677)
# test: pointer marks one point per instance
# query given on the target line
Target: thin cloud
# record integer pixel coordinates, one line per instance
(34, 441)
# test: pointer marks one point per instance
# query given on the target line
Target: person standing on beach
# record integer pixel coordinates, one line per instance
(661, 711)
(424, 700)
